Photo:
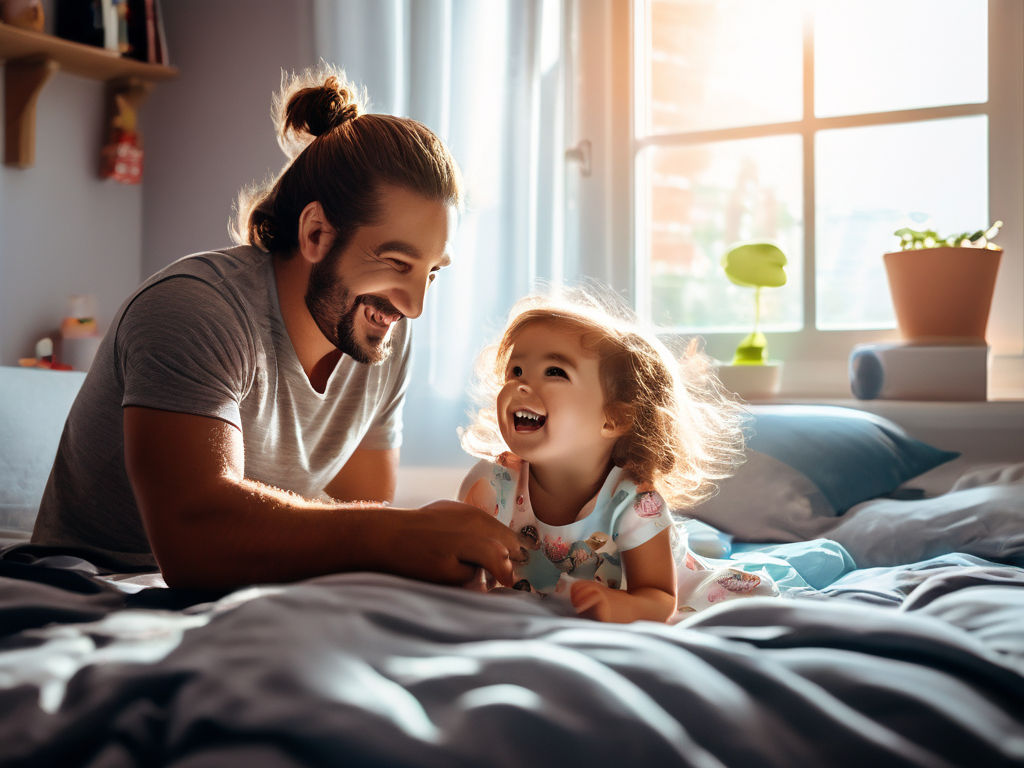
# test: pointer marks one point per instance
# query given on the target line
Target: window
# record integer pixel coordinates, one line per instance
(822, 126)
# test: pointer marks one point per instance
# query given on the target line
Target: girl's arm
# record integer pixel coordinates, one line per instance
(650, 571)
(476, 490)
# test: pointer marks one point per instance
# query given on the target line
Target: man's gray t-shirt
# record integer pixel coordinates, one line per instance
(205, 336)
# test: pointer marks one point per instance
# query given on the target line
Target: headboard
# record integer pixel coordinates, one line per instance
(34, 403)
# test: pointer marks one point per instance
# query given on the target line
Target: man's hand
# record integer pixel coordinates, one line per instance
(447, 541)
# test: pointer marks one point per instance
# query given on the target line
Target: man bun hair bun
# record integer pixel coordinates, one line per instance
(342, 157)
(313, 103)
(317, 110)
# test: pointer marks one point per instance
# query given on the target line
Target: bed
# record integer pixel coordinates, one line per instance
(897, 640)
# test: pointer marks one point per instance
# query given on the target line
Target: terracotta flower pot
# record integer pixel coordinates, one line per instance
(943, 295)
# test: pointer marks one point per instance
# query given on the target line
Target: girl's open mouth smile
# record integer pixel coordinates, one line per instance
(524, 420)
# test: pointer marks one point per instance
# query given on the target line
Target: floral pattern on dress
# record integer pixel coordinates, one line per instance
(648, 504)
(587, 548)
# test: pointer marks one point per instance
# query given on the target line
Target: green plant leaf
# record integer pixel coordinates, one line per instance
(752, 350)
(929, 238)
(755, 264)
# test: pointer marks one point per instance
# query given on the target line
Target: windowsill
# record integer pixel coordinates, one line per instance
(830, 379)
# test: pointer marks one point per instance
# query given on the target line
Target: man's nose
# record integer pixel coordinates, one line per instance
(409, 301)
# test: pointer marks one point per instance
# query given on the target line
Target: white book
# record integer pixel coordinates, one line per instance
(110, 24)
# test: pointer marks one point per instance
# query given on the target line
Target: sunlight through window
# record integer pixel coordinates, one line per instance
(819, 126)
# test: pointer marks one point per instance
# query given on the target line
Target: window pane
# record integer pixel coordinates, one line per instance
(703, 200)
(723, 63)
(872, 181)
(880, 55)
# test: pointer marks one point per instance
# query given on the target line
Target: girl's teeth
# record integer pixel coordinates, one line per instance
(528, 419)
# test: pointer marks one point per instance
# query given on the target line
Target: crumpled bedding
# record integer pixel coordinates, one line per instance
(982, 514)
(982, 520)
(369, 669)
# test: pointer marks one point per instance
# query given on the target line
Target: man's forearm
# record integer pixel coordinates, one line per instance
(242, 532)
(245, 532)
(209, 527)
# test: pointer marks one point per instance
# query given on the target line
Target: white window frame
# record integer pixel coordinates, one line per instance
(602, 207)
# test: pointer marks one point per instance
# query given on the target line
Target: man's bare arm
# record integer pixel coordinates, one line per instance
(368, 475)
(210, 527)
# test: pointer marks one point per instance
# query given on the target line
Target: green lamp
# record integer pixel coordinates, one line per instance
(757, 266)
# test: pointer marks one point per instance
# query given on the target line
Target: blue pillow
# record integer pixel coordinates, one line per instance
(806, 464)
(850, 455)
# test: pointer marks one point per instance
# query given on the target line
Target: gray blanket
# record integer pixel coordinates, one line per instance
(366, 669)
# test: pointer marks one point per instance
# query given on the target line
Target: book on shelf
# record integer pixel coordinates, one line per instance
(162, 57)
(80, 22)
(121, 18)
(111, 26)
(133, 28)
(140, 31)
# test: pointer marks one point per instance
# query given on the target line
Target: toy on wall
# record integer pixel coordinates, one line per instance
(121, 156)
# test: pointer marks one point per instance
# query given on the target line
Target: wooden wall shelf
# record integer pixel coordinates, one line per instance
(32, 57)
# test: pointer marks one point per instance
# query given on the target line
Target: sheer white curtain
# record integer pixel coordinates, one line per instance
(487, 78)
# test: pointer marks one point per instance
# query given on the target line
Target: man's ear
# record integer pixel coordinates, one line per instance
(618, 420)
(316, 235)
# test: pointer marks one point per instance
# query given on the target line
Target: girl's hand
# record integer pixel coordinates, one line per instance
(651, 572)
(591, 600)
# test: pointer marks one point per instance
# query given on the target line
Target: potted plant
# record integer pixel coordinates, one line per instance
(751, 374)
(942, 286)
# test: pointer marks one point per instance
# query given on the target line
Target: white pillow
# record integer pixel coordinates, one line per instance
(767, 500)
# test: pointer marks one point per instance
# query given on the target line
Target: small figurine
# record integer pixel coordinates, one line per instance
(44, 357)
(121, 157)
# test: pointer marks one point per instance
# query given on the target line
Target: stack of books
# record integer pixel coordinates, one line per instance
(132, 28)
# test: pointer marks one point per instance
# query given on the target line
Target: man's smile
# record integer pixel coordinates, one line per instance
(380, 313)
(380, 319)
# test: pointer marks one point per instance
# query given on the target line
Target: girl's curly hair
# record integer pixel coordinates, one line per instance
(686, 430)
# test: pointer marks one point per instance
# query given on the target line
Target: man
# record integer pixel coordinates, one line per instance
(242, 418)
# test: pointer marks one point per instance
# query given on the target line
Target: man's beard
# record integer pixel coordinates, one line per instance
(326, 299)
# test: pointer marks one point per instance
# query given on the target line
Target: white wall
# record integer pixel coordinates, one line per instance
(64, 230)
(209, 132)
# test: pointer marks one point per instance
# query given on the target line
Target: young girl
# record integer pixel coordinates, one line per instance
(590, 434)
